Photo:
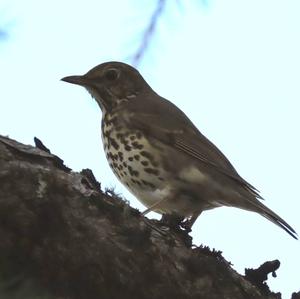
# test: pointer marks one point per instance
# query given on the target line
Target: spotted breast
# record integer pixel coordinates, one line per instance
(133, 160)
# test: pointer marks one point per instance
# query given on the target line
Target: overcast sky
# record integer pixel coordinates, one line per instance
(232, 66)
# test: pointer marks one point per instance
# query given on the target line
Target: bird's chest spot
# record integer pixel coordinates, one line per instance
(131, 157)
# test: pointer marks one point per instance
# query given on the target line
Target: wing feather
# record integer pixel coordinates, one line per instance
(165, 122)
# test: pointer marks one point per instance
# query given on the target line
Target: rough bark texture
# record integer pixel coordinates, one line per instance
(62, 237)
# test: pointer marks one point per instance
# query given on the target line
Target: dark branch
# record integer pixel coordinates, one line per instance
(259, 276)
(296, 295)
(149, 32)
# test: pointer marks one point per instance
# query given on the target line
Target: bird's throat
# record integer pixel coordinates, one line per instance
(103, 96)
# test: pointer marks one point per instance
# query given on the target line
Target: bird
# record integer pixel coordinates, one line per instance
(160, 156)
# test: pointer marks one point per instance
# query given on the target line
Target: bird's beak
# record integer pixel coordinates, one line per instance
(79, 80)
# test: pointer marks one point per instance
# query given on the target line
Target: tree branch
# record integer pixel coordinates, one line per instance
(62, 237)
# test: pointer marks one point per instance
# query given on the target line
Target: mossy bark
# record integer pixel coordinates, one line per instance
(62, 237)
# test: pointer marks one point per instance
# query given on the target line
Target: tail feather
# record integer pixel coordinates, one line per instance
(281, 223)
(263, 210)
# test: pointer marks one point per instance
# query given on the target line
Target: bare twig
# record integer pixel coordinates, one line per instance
(149, 32)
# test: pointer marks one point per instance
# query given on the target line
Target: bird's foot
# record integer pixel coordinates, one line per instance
(187, 225)
(177, 224)
(171, 220)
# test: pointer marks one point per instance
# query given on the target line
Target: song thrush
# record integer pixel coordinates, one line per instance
(158, 153)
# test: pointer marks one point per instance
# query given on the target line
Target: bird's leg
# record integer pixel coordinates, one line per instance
(187, 224)
(152, 207)
(171, 220)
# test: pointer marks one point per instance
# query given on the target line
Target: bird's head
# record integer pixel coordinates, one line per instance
(111, 83)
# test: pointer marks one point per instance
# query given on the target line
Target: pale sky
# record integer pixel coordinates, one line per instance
(232, 66)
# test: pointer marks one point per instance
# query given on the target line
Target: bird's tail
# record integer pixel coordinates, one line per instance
(263, 210)
(281, 223)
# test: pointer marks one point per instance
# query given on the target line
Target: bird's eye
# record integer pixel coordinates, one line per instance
(111, 74)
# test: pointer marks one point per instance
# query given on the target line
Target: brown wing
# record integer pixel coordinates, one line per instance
(167, 123)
